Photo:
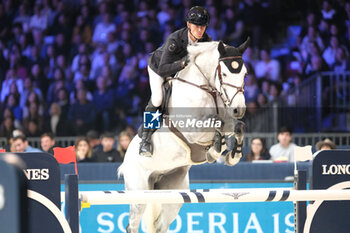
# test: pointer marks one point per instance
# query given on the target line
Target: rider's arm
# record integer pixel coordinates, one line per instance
(169, 62)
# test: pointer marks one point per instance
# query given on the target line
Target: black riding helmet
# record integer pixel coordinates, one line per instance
(198, 15)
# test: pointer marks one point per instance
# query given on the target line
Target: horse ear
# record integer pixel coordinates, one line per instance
(221, 48)
(244, 46)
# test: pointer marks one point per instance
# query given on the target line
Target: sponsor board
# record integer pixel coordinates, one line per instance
(198, 218)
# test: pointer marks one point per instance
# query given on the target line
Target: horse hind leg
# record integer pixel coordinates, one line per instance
(177, 179)
(135, 216)
(166, 217)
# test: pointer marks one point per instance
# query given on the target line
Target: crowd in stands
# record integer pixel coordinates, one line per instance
(285, 149)
(91, 148)
(68, 67)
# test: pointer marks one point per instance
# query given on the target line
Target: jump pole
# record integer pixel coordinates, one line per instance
(226, 196)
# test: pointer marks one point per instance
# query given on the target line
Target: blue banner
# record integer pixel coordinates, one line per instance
(268, 217)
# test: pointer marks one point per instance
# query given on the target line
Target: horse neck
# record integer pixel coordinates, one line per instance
(205, 69)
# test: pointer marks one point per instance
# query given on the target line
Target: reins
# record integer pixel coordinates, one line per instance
(213, 91)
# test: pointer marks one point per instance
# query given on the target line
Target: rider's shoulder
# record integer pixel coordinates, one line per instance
(176, 40)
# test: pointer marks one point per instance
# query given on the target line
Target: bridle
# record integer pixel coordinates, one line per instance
(240, 89)
(213, 91)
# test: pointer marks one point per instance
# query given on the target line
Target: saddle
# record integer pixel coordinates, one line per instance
(196, 153)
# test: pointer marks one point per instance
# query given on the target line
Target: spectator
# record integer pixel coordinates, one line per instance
(342, 62)
(23, 17)
(103, 28)
(123, 143)
(11, 77)
(21, 144)
(33, 128)
(39, 79)
(63, 102)
(317, 65)
(101, 58)
(47, 143)
(12, 103)
(327, 11)
(57, 123)
(83, 150)
(6, 127)
(82, 50)
(80, 84)
(311, 37)
(57, 83)
(261, 100)
(126, 86)
(251, 88)
(104, 98)
(234, 28)
(330, 51)
(83, 29)
(33, 98)
(94, 140)
(38, 20)
(326, 144)
(274, 91)
(84, 69)
(28, 88)
(33, 123)
(258, 150)
(82, 114)
(284, 149)
(251, 108)
(11, 146)
(50, 60)
(267, 67)
(108, 152)
(250, 58)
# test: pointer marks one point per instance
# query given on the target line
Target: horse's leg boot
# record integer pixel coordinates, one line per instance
(146, 148)
(217, 141)
(146, 145)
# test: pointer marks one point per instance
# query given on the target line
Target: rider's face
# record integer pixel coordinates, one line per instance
(196, 30)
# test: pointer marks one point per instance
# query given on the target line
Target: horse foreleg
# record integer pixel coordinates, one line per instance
(135, 215)
(233, 157)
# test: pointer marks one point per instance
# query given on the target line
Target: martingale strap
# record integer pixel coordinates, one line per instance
(194, 147)
(204, 88)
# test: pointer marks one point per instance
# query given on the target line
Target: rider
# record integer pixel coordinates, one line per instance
(169, 59)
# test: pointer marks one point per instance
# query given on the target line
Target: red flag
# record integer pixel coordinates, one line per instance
(66, 155)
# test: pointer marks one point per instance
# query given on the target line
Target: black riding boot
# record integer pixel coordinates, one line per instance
(146, 148)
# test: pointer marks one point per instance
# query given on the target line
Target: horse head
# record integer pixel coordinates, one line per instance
(229, 80)
(227, 77)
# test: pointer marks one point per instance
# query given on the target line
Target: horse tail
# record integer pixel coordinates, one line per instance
(120, 171)
(152, 213)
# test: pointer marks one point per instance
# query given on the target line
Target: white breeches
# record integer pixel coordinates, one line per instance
(156, 83)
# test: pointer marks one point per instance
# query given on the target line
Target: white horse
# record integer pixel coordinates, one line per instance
(212, 86)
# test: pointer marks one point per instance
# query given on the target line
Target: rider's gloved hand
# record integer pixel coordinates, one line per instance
(185, 60)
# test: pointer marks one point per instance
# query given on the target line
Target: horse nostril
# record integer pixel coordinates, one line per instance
(235, 111)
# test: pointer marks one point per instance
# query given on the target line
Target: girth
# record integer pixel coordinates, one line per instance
(198, 152)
